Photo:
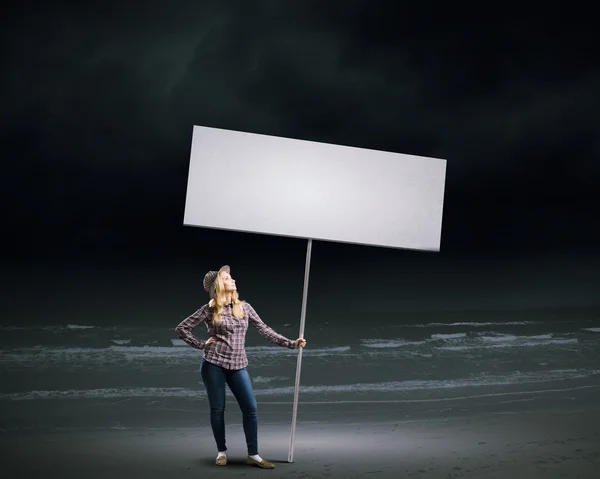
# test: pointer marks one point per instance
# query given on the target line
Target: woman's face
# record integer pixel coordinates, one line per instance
(228, 282)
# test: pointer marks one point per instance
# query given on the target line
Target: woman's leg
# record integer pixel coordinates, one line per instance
(241, 386)
(213, 377)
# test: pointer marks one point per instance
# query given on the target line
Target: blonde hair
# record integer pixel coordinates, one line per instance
(220, 300)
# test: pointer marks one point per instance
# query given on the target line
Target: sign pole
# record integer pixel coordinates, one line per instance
(299, 363)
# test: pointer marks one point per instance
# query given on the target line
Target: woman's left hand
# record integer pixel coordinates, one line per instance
(300, 343)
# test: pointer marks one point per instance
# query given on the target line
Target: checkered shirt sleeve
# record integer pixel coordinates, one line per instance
(265, 331)
(184, 329)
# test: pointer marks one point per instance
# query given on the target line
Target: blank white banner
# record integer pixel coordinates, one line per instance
(281, 186)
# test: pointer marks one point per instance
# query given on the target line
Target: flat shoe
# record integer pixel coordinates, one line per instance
(221, 461)
(264, 463)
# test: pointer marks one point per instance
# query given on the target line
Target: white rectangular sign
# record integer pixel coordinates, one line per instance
(280, 186)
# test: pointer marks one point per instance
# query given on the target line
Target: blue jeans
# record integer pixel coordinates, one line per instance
(214, 378)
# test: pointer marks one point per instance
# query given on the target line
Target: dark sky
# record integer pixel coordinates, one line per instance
(99, 100)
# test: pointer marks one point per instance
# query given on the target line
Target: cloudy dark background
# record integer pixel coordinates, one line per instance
(99, 100)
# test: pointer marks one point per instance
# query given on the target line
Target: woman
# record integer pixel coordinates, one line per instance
(225, 361)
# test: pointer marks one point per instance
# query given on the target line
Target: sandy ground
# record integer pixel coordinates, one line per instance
(511, 445)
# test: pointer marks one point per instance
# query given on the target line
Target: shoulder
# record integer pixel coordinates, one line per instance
(247, 307)
(250, 311)
(205, 309)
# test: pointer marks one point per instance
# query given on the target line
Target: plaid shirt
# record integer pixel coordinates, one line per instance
(228, 350)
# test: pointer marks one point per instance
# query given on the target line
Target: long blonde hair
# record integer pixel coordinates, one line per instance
(220, 300)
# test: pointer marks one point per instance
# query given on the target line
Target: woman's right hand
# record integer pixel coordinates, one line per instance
(210, 340)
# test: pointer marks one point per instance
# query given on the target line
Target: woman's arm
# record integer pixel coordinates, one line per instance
(265, 331)
(184, 329)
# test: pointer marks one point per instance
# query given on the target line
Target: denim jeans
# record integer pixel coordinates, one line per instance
(214, 378)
